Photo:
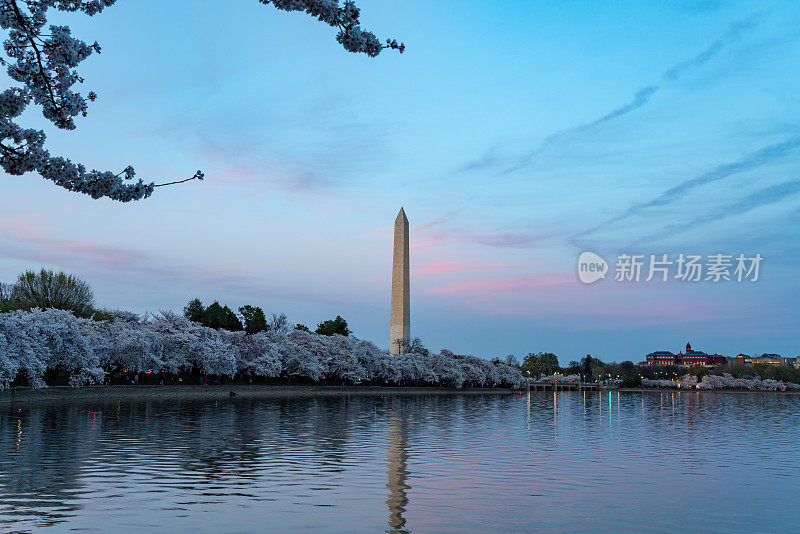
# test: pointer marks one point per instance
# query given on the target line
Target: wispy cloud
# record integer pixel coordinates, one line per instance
(763, 197)
(241, 163)
(490, 158)
(641, 97)
(507, 239)
(439, 233)
(752, 161)
(733, 34)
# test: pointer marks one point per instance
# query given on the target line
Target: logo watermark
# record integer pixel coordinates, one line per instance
(591, 268)
(665, 267)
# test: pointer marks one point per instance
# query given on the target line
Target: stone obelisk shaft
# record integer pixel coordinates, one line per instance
(400, 316)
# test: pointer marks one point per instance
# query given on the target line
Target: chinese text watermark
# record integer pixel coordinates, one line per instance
(664, 267)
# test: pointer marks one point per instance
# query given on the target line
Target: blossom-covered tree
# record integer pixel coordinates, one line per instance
(41, 340)
(724, 381)
(251, 358)
(9, 366)
(344, 363)
(376, 363)
(40, 343)
(133, 347)
(416, 368)
(296, 359)
(181, 341)
(44, 59)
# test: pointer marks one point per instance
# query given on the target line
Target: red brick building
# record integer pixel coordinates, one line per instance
(661, 357)
(690, 357)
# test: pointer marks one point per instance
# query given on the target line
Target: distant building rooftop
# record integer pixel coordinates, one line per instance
(690, 357)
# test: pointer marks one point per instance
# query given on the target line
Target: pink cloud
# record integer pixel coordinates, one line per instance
(446, 267)
(53, 250)
(28, 238)
(241, 164)
(426, 239)
(435, 233)
(503, 285)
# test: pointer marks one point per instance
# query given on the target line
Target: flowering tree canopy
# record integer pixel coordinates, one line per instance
(724, 381)
(33, 343)
(44, 60)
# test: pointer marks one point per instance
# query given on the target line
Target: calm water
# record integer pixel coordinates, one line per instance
(699, 462)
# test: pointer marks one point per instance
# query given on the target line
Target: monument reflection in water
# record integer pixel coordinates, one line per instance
(397, 472)
(452, 463)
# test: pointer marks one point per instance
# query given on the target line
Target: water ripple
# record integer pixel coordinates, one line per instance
(563, 462)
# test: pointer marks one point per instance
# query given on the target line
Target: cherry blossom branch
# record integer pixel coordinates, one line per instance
(197, 176)
(45, 64)
(30, 34)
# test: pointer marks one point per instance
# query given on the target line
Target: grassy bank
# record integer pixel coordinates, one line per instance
(188, 392)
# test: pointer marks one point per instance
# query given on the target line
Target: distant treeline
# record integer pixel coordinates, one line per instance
(630, 374)
(588, 368)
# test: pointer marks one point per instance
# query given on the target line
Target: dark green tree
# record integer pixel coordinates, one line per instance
(629, 374)
(530, 365)
(549, 363)
(195, 311)
(254, 319)
(417, 347)
(632, 381)
(333, 326)
(541, 363)
(699, 371)
(589, 365)
(218, 316)
(47, 289)
(302, 327)
(5, 298)
(627, 368)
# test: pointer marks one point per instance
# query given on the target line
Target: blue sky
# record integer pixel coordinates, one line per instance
(515, 134)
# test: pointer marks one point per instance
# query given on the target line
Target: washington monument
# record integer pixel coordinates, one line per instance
(400, 315)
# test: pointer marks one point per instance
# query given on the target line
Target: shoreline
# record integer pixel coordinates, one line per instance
(10, 397)
(673, 390)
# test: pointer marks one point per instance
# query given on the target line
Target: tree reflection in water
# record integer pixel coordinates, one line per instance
(342, 463)
(57, 459)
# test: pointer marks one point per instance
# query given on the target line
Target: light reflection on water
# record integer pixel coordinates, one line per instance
(566, 461)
